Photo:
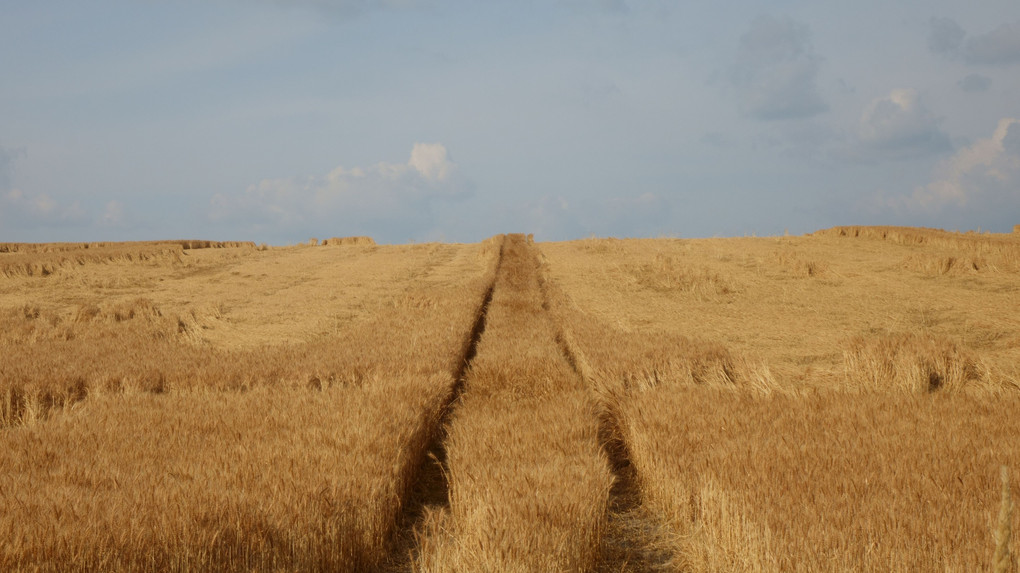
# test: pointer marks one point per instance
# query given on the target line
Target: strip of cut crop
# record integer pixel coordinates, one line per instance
(529, 484)
(57, 356)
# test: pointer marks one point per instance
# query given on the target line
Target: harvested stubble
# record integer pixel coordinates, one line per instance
(307, 469)
(528, 483)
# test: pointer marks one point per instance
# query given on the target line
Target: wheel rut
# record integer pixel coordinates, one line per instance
(634, 539)
(431, 490)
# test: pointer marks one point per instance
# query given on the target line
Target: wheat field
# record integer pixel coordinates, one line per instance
(839, 401)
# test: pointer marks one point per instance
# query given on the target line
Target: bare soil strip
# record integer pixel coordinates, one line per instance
(432, 488)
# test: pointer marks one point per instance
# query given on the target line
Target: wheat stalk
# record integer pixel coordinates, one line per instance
(1002, 561)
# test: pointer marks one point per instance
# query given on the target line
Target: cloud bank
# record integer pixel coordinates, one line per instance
(396, 198)
(899, 126)
(980, 177)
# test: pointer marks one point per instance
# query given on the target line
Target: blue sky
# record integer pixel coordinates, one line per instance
(419, 120)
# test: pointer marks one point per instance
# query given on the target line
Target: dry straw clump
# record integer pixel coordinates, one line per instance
(799, 266)
(915, 363)
(960, 252)
(351, 241)
(601, 246)
(672, 274)
(41, 264)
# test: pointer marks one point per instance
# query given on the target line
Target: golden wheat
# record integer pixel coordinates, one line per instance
(839, 401)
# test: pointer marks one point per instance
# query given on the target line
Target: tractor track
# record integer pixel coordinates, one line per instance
(431, 488)
(634, 540)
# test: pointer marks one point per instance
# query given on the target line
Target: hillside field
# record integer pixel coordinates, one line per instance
(840, 401)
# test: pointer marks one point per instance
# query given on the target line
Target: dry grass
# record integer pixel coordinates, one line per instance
(747, 479)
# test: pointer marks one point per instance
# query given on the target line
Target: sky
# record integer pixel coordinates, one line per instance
(418, 120)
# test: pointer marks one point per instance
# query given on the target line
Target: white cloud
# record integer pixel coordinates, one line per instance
(776, 71)
(395, 198)
(986, 173)
(431, 161)
(899, 126)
